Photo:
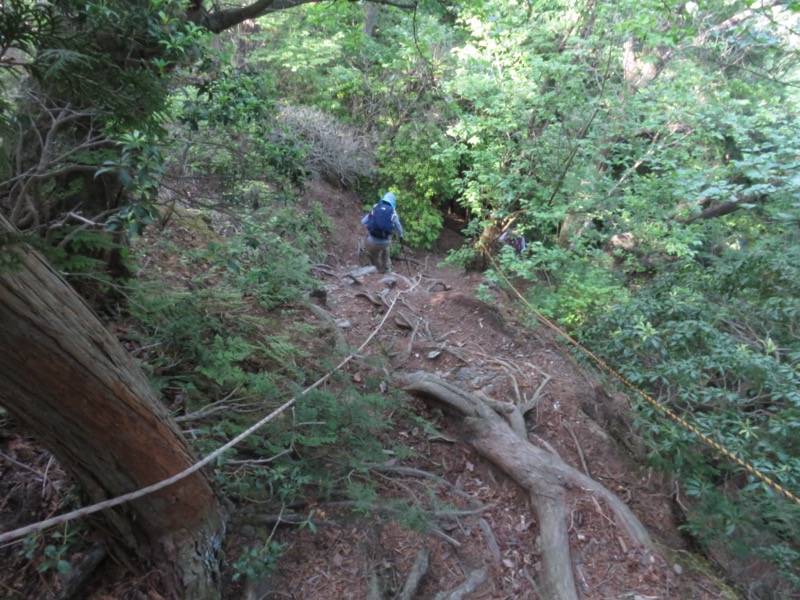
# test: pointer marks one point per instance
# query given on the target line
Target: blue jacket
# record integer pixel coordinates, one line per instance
(398, 228)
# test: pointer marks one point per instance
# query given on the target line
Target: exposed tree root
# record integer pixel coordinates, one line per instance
(376, 299)
(81, 572)
(410, 472)
(470, 584)
(491, 542)
(340, 343)
(432, 285)
(415, 576)
(545, 477)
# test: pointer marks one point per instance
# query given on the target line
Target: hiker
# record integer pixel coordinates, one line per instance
(513, 239)
(382, 222)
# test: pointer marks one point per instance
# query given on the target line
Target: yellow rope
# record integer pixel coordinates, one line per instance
(652, 401)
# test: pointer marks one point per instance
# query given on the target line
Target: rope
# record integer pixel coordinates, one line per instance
(88, 510)
(652, 401)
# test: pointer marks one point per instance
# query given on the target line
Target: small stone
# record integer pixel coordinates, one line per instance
(677, 568)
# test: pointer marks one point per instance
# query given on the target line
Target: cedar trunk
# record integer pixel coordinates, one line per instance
(72, 384)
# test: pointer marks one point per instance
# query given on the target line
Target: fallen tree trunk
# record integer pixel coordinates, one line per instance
(544, 476)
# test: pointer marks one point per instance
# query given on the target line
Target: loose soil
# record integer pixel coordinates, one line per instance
(482, 519)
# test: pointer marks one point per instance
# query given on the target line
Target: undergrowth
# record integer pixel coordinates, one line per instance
(718, 347)
(224, 335)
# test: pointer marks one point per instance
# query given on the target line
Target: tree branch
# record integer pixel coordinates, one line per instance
(735, 20)
(720, 210)
(220, 20)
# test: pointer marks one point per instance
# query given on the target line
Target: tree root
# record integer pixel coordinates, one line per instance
(491, 542)
(415, 576)
(340, 343)
(411, 472)
(470, 584)
(81, 572)
(542, 475)
(436, 282)
(376, 299)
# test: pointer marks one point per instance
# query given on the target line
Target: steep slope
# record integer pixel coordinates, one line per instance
(457, 517)
(488, 541)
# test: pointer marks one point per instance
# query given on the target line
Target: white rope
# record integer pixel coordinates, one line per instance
(88, 510)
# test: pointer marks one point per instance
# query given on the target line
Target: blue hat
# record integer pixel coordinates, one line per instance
(389, 198)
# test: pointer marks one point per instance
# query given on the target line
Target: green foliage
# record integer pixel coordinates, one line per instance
(234, 343)
(139, 169)
(81, 66)
(716, 344)
(230, 97)
(52, 552)
(257, 561)
(420, 162)
(262, 263)
(570, 287)
(24, 26)
(10, 251)
(81, 253)
(231, 134)
(211, 330)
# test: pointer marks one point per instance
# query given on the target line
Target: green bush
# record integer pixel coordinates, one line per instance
(716, 343)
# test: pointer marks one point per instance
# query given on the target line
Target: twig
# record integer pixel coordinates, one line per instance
(19, 464)
(46, 471)
(491, 542)
(571, 431)
(411, 472)
(209, 409)
(602, 514)
(579, 571)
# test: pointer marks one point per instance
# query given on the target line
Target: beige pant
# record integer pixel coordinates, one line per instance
(379, 255)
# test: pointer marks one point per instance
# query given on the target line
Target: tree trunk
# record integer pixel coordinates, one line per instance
(370, 18)
(68, 380)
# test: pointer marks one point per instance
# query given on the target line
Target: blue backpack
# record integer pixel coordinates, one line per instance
(380, 223)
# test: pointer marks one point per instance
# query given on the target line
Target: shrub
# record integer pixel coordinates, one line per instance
(333, 150)
(717, 345)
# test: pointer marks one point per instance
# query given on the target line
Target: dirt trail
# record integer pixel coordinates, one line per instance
(441, 328)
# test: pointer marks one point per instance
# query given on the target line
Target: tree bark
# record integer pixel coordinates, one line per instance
(68, 380)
